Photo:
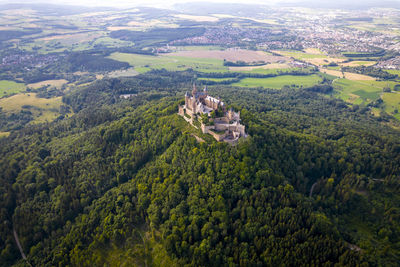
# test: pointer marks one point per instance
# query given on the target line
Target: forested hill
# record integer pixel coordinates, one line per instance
(125, 182)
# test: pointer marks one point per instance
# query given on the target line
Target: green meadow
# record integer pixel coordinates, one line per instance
(397, 72)
(360, 92)
(269, 71)
(43, 110)
(392, 104)
(302, 55)
(215, 79)
(143, 63)
(10, 87)
(280, 81)
(199, 47)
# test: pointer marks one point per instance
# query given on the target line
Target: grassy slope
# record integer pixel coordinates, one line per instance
(10, 87)
(43, 109)
(392, 103)
(360, 92)
(143, 63)
(280, 81)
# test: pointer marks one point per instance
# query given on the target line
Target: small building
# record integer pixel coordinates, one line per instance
(223, 125)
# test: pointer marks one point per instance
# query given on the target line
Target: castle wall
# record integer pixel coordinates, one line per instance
(181, 111)
(205, 129)
(218, 137)
(231, 132)
(221, 127)
(221, 120)
(211, 104)
(242, 130)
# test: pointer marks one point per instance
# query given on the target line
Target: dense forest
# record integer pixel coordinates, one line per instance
(125, 182)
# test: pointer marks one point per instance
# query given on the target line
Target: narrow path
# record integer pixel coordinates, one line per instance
(20, 247)
(312, 188)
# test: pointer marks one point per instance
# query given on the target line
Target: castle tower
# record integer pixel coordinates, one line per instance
(194, 106)
(187, 99)
(230, 115)
(194, 91)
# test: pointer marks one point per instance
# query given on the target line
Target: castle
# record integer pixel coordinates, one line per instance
(212, 116)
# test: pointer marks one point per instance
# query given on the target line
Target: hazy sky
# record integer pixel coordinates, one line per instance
(168, 3)
(127, 3)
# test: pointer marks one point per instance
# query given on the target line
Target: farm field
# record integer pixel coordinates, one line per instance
(231, 55)
(301, 55)
(313, 58)
(121, 73)
(315, 51)
(392, 103)
(358, 77)
(215, 79)
(4, 134)
(348, 75)
(110, 42)
(56, 83)
(197, 18)
(261, 68)
(394, 72)
(44, 110)
(10, 87)
(196, 47)
(143, 63)
(280, 81)
(358, 63)
(360, 92)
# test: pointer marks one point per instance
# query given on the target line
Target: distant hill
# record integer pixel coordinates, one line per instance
(343, 4)
(202, 8)
(53, 9)
(251, 9)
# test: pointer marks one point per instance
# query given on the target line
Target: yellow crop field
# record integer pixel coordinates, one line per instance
(43, 109)
(56, 83)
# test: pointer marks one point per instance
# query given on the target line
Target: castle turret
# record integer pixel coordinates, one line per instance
(194, 91)
(187, 97)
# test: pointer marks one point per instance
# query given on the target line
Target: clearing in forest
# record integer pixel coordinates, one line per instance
(348, 75)
(43, 109)
(233, 55)
(56, 83)
(265, 67)
(280, 81)
(367, 91)
(10, 87)
(358, 63)
(316, 59)
(197, 18)
(144, 63)
(392, 103)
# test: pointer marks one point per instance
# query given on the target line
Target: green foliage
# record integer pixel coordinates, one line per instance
(10, 87)
(122, 183)
(157, 35)
(371, 71)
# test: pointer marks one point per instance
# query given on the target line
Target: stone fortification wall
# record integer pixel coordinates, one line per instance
(221, 120)
(218, 137)
(205, 129)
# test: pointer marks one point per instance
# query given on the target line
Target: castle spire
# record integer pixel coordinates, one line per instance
(194, 91)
